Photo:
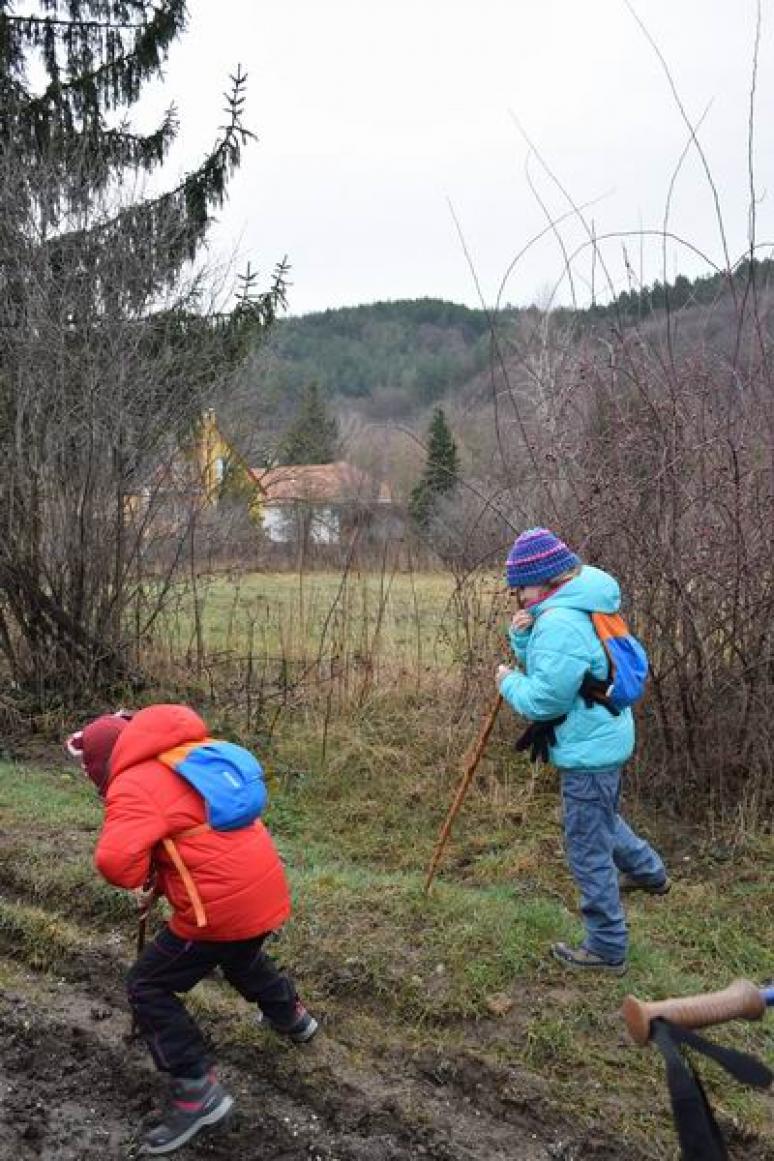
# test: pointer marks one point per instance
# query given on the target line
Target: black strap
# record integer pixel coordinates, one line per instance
(593, 690)
(743, 1067)
(698, 1132)
(537, 737)
(697, 1129)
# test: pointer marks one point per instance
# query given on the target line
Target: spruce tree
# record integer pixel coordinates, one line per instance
(313, 437)
(108, 347)
(441, 471)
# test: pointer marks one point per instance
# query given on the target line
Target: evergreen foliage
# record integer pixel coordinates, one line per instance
(441, 470)
(634, 305)
(420, 349)
(398, 358)
(107, 351)
(313, 437)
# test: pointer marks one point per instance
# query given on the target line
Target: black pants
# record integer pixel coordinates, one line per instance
(171, 965)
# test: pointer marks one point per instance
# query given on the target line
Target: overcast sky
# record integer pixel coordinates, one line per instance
(374, 118)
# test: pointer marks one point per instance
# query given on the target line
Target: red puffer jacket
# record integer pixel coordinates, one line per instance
(238, 873)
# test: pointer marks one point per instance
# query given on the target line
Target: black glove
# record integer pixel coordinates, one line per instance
(537, 737)
(594, 692)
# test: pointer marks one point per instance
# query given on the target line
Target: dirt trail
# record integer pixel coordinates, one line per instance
(71, 1089)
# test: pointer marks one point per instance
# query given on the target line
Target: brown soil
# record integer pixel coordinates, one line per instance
(72, 1089)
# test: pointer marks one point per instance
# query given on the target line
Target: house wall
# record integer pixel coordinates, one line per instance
(277, 523)
(281, 523)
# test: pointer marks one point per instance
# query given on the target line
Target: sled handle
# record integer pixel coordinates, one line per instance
(741, 1000)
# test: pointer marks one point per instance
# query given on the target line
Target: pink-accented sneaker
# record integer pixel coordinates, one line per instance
(303, 1028)
(581, 957)
(193, 1104)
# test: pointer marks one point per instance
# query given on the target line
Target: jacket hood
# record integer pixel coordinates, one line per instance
(592, 591)
(154, 730)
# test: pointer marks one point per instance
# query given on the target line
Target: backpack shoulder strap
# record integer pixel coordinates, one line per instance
(170, 847)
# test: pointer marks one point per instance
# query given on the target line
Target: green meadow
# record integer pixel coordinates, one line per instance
(404, 620)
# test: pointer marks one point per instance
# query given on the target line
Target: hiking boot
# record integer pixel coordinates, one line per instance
(581, 957)
(629, 883)
(194, 1103)
(301, 1030)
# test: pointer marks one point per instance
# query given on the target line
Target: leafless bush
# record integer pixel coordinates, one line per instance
(655, 459)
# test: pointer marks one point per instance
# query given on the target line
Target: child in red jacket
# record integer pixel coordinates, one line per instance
(228, 893)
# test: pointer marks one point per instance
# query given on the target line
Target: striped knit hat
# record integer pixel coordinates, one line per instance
(537, 555)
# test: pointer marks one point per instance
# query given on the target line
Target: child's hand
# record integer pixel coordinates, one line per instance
(502, 671)
(522, 620)
(144, 898)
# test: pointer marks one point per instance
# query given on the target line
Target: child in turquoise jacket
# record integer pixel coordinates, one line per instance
(555, 642)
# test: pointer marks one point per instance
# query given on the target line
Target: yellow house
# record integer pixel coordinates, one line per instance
(212, 452)
(325, 504)
(216, 458)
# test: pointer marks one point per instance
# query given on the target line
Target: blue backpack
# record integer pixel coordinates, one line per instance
(627, 666)
(228, 777)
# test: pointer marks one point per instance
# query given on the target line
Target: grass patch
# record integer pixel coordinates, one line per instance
(290, 615)
(57, 794)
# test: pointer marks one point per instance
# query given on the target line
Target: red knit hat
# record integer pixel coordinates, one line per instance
(94, 744)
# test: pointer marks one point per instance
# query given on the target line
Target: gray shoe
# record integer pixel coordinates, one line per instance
(581, 957)
(628, 883)
(194, 1103)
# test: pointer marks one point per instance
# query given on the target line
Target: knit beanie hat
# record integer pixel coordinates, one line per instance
(537, 555)
(94, 745)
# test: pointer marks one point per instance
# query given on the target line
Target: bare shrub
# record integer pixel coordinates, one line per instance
(653, 454)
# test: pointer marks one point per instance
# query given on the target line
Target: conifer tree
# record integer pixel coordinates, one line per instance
(108, 345)
(441, 472)
(313, 437)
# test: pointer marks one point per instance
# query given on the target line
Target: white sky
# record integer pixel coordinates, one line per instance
(372, 117)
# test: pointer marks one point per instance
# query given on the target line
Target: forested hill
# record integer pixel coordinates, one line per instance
(395, 358)
(406, 354)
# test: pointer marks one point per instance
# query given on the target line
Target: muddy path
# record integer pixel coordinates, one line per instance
(71, 1088)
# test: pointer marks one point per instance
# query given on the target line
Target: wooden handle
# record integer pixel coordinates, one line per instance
(741, 1000)
(470, 762)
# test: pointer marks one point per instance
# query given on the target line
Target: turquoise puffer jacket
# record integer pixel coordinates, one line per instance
(556, 653)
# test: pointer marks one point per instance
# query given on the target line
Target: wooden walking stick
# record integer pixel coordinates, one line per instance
(142, 928)
(470, 762)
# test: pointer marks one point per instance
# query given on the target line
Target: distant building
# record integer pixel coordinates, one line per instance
(322, 502)
(296, 505)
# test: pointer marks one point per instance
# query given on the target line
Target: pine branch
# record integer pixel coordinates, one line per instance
(28, 22)
(188, 204)
(115, 81)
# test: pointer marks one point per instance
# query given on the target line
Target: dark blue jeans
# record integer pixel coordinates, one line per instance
(599, 844)
(171, 965)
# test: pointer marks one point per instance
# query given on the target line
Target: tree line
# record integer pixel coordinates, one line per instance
(410, 355)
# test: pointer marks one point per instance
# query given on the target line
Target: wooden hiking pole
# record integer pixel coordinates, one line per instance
(470, 762)
(142, 927)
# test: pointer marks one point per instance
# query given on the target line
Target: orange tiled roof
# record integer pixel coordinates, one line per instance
(337, 483)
